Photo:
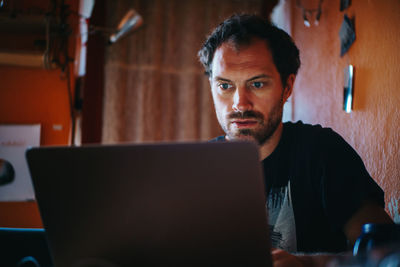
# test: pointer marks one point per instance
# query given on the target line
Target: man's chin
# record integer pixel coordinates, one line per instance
(242, 137)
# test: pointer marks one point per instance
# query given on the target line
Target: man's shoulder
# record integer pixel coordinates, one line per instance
(314, 137)
(300, 125)
(318, 141)
(308, 130)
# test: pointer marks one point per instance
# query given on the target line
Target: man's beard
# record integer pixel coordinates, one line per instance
(265, 129)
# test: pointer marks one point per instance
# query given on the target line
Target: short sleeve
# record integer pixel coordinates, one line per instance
(345, 183)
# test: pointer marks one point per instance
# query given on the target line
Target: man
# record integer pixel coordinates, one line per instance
(318, 191)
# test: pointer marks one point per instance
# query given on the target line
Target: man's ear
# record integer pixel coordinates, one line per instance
(289, 86)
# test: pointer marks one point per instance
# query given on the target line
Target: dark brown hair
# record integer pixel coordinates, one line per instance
(241, 29)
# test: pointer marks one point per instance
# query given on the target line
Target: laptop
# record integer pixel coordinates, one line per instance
(163, 204)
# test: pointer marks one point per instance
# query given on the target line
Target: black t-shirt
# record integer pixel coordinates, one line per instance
(314, 183)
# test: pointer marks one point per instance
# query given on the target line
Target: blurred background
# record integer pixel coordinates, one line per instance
(59, 70)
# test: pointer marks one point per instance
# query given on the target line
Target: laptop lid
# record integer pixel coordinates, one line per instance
(197, 204)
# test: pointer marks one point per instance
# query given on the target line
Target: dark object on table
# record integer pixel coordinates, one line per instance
(375, 236)
(377, 246)
(20, 247)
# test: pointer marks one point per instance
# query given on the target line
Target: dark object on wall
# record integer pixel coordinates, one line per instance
(344, 4)
(7, 173)
(347, 35)
(24, 247)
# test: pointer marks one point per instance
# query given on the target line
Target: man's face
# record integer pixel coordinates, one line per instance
(247, 91)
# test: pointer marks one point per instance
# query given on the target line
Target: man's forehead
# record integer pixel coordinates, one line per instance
(238, 45)
(230, 56)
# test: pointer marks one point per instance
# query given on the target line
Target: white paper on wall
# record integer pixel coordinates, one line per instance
(14, 140)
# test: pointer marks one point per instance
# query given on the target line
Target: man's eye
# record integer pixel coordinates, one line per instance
(225, 86)
(258, 84)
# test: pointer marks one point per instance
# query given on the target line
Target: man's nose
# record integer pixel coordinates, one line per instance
(241, 100)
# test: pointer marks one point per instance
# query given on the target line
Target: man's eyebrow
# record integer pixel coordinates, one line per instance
(217, 78)
(258, 77)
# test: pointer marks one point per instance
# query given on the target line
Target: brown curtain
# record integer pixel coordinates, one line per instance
(155, 87)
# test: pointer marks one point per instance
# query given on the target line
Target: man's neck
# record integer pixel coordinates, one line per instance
(269, 146)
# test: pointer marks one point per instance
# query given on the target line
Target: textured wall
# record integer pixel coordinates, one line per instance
(373, 126)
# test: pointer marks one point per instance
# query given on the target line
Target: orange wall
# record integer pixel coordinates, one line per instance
(36, 96)
(30, 96)
(373, 126)
(33, 96)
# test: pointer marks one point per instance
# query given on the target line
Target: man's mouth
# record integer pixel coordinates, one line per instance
(244, 123)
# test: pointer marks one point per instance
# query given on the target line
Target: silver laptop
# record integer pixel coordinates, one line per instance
(187, 204)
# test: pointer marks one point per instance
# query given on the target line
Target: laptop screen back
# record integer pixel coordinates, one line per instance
(198, 204)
